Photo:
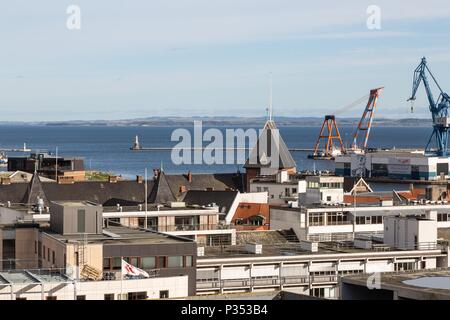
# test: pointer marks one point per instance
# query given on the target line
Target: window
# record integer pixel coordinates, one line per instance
(443, 217)
(43, 249)
(403, 266)
(161, 262)
(35, 247)
(109, 296)
(287, 192)
(117, 263)
(316, 219)
(377, 219)
(360, 220)
(442, 168)
(82, 297)
(148, 262)
(328, 198)
(271, 196)
(137, 295)
(258, 189)
(164, 294)
(313, 185)
(21, 298)
(134, 261)
(175, 262)
(53, 257)
(51, 298)
(294, 190)
(48, 254)
(81, 220)
(337, 218)
(189, 262)
(106, 263)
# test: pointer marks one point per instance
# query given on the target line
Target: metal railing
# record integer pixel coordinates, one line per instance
(265, 281)
(188, 227)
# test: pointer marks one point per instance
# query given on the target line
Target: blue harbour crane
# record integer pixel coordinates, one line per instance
(438, 109)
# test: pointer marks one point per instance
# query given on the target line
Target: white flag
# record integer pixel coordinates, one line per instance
(130, 270)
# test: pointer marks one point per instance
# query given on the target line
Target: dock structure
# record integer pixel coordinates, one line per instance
(137, 147)
(24, 149)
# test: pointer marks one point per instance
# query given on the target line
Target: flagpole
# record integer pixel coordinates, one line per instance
(121, 278)
(146, 221)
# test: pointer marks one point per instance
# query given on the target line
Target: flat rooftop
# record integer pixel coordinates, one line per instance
(120, 235)
(280, 243)
(421, 285)
(31, 276)
(76, 203)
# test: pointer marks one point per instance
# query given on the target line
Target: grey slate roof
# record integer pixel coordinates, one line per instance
(223, 199)
(125, 193)
(34, 191)
(270, 138)
(161, 192)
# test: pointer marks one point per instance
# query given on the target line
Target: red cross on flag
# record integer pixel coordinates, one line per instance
(130, 270)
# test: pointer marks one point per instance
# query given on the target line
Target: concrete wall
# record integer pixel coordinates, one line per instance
(407, 233)
(288, 219)
(26, 248)
(64, 218)
(96, 290)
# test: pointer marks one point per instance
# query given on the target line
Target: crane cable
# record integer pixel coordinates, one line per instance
(352, 105)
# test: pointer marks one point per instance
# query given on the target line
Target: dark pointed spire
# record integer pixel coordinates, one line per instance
(34, 191)
(161, 192)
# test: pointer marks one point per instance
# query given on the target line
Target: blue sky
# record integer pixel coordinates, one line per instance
(141, 58)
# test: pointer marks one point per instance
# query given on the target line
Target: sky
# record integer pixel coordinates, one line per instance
(143, 58)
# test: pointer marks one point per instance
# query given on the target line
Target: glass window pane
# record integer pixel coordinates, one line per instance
(189, 261)
(175, 262)
(148, 262)
(117, 263)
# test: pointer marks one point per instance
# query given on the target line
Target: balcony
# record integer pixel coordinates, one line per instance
(216, 284)
(189, 227)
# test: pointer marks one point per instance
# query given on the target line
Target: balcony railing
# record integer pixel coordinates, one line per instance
(189, 227)
(266, 281)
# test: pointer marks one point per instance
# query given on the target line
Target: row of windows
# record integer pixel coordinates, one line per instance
(443, 217)
(159, 262)
(44, 252)
(287, 191)
(322, 185)
(369, 220)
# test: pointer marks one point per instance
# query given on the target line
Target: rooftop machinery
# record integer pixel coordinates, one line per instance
(438, 109)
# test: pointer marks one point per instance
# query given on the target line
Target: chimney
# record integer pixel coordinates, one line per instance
(411, 187)
(6, 180)
(139, 179)
(189, 176)
(112, 179)
(182, 189)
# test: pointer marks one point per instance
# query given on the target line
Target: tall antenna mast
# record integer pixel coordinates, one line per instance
(270, 99)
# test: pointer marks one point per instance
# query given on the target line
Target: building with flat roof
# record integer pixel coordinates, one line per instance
(77, 242)
(412, 165)
(413, 285)
(282, 262)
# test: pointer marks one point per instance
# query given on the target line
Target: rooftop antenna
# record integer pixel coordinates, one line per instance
(161, 168)
(270, 99)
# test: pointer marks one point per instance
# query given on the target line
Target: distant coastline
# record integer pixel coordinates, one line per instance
(221, 121)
